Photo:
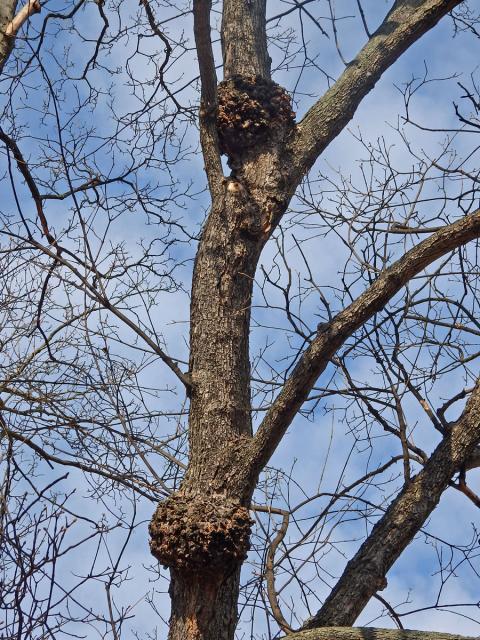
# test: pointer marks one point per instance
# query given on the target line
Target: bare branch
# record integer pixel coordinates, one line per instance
(125, 480)
(404, 25)
(370, 633)
(7, 12)
(333, 334)
(12, 28)
(208, 77)
(25, 171)
(366, 571)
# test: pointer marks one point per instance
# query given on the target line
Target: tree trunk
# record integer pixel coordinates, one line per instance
(203, 607)
(202, 532)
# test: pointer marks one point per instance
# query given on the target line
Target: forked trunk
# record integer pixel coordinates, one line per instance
(202, 532)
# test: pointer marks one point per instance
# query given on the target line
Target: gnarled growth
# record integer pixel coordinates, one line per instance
(251, 110)
(204, 534)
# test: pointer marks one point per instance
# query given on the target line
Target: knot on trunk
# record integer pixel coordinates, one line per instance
(200, 534)
(251, 110)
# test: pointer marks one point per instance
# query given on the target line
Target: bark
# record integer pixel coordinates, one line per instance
(236, 230)
(370, 633)
(219, 363)
(208, 102)
(11, 23)
(31, 7)
(7, 12)
(244, 43)
(202, 532)
(203, 608)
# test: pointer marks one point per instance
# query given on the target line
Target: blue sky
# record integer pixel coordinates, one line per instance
(315, 449)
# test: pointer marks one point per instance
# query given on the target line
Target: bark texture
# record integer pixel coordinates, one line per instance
(243, 38)
(204, 607)
(370, 633)
(208, 102)
(202, 532)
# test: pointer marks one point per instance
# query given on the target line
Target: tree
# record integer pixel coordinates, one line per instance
(80, 340)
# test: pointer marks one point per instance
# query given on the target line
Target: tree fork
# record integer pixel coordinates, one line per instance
(202, 532)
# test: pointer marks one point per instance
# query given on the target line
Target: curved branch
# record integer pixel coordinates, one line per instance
(366, 571)
(370, 633)
(270, 573)
(332, 335)
(31, 184)
(167, 50)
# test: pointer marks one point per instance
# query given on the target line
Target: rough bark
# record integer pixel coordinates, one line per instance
(208, 102)
(203, 607)
(7, 12)
(244, 43)
(370, 633)
(204, 540)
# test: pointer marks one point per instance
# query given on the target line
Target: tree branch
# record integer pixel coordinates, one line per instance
(103, 301)
(407, 21)
(333, 334)
(208, 106)
(125, 480)
(370, 633)
(12, 28)
(7, 12)
(366, 571)
(31, 184)
(167, 50)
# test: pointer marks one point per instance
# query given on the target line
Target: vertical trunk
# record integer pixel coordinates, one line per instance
(203, 608)
(202, 532)
(219, 362)
(244, 41)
